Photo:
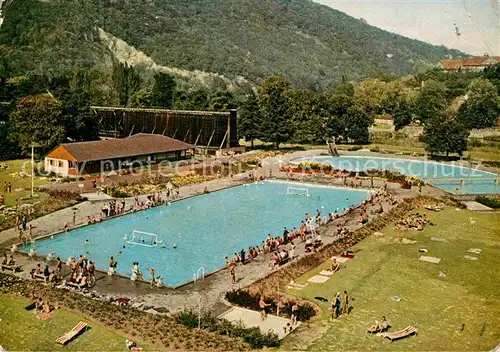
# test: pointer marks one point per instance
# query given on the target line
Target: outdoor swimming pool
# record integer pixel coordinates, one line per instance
(206, 228)
(475, 181)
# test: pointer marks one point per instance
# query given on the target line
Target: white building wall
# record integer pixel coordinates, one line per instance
(57, 166)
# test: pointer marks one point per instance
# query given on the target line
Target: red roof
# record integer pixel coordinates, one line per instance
(138, 144)
(475, 61)
(451, 64)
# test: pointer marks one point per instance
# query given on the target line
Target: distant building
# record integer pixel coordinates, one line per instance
(475, 63)
(94, 157)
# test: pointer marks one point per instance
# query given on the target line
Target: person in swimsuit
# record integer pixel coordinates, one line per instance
(152, 275)
(232, 272)
(345, 307)
(295, 313)
(263, 306)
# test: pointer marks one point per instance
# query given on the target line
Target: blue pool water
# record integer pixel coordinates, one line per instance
(206, 228)
(473, 183)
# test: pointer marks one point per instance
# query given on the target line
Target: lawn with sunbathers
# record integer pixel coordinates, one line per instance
(21, 330)
(453, 304)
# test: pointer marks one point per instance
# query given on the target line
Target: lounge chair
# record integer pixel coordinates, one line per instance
(70, 335)
(13, 268)
(409, 330)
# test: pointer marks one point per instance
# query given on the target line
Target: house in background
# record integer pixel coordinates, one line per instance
(94, 157)
(475, 63)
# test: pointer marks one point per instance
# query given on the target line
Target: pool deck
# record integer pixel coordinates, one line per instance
(210, 290)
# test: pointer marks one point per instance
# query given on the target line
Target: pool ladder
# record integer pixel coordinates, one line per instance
(200, 274)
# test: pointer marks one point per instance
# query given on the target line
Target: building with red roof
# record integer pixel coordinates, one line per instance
(475, 63)
(93, 157)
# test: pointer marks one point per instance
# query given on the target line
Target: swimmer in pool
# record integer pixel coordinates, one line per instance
(164, 245)
(86, 241)
(174, 245)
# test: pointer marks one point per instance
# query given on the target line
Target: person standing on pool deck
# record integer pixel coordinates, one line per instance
(285, 235)
(112, 266)
(242, 256)
(152, 274)
(232, 272)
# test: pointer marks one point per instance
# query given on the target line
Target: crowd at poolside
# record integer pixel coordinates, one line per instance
(284, 247)
(117, 207)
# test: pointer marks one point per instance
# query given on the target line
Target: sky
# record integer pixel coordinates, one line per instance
(433, 21)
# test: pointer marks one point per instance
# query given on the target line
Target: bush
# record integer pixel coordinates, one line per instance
(313, 165)
(65, 195)
(354, 148)
(253, 336)
(489, 201)
(388, 174)
(188, 318)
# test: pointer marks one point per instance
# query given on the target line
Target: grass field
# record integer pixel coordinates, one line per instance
(21, 330)
(467, 296)
(21, 186)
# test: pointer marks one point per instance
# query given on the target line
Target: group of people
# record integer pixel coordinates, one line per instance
(43, 306)
(82, 271)
(253, 177)
(340, 306)
(7, 187)
(112, 208)
(413, 222)
(8, 262)
(137, 274)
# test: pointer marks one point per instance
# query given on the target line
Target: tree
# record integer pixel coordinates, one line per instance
(142, 98)
(402, 115)
(126, 81)
(274, 99)
(482, 107)
(38, 120)
(250, 119)
(163, 90)
(357, 122)
(9, 145)
(335, 124)
(307, 106)
(445, 134)
(431, 100)
(370, 94)
(222, 101)
(492, 74)
(79, 122)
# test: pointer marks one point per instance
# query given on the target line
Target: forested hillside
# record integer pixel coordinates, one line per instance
(311, 44)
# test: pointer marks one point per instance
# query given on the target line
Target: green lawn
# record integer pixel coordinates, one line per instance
(21, 330)
(437, 306)
(21, 186)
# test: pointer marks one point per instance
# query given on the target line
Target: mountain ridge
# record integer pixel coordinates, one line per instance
(312, 44)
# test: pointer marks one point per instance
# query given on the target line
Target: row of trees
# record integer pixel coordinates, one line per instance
(50, 110)
(46, 111)
(278, 113)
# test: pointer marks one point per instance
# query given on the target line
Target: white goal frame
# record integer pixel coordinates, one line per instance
(137, 242)
(293, 191)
